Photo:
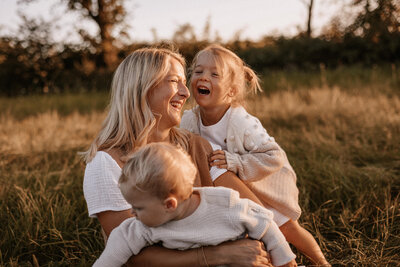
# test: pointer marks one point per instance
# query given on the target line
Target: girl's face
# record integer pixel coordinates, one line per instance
(207, 84)
(168, 98)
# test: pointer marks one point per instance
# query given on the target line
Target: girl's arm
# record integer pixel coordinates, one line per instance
(230, 180)
(259, 156)
(244, 252)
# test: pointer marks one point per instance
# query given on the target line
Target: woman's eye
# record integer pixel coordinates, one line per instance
(174, 81)
(198, 72)
(215, 74)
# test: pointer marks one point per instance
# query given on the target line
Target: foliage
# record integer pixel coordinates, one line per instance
(33, 64)
(377, 20)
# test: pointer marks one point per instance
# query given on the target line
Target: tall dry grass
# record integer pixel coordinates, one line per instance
(48, 132)
(344, 147)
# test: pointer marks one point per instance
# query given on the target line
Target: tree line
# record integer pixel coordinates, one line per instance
(31, 63)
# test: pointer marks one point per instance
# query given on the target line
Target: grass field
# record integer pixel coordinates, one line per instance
(343, 143)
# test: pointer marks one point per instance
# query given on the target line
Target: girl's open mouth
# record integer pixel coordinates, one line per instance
(203, 91)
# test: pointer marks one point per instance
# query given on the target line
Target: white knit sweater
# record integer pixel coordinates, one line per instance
(220, 216)
(257, 159)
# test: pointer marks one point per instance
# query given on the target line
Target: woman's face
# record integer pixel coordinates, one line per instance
(168, 98)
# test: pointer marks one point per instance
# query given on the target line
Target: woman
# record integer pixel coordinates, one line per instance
(148, 93)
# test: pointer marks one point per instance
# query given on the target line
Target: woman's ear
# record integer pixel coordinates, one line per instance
(171, 203)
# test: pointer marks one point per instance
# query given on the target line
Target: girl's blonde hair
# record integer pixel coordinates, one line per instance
(130, 120)
(160, 169)
(240, 78)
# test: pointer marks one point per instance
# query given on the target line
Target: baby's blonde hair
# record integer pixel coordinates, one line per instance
(160, 169)
(130, 120)
(240, 77)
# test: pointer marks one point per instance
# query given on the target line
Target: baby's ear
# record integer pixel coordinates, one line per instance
(171, 203)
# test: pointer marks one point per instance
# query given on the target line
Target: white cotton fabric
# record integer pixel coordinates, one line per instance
(216, 133)
(215, 172)
(220, 216)
(100, 185)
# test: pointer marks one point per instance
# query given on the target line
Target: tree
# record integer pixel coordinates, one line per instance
(309, 5)
(378, 19)
(107, 14)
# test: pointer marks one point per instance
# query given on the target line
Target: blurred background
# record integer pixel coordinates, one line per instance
(74, 45)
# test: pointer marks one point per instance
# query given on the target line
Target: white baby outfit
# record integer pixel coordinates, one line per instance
(220, 216)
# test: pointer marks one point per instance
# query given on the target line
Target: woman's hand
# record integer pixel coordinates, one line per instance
(244, 253)
(290, 264)
(218, 159)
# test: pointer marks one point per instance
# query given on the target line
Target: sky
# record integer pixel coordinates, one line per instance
(253, 18)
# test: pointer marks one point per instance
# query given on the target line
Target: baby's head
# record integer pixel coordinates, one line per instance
(155, 180)
(235, 77)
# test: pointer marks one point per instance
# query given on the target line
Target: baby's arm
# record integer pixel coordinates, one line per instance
(124, 241)
(277, 246)
(260, 225)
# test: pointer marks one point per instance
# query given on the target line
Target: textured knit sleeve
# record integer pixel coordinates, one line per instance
(125, 241)
(252, 154)
(260, 225)
(100, 185)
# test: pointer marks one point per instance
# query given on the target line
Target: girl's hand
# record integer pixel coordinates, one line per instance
(218, 159)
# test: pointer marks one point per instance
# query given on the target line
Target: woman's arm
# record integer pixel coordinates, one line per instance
(111, 219)
(240, 253)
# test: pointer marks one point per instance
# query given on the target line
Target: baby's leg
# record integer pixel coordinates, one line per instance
(303, 241)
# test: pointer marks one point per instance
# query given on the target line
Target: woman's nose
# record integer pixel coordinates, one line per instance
(184, 91)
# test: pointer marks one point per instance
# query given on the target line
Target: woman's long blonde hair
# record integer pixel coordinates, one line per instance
(241, 78)
(130, 120)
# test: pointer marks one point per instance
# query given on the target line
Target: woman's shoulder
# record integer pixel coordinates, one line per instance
(101, 164)
(103, 157)
(196, 141)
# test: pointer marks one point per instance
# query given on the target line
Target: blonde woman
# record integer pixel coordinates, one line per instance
(148, 93)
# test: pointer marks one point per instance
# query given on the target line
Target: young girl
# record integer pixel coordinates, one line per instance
(219, 83)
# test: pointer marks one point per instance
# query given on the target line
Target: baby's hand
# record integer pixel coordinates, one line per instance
(218, 159)
(290, 264)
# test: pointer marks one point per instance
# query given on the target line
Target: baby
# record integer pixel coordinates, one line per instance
(158, 182)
